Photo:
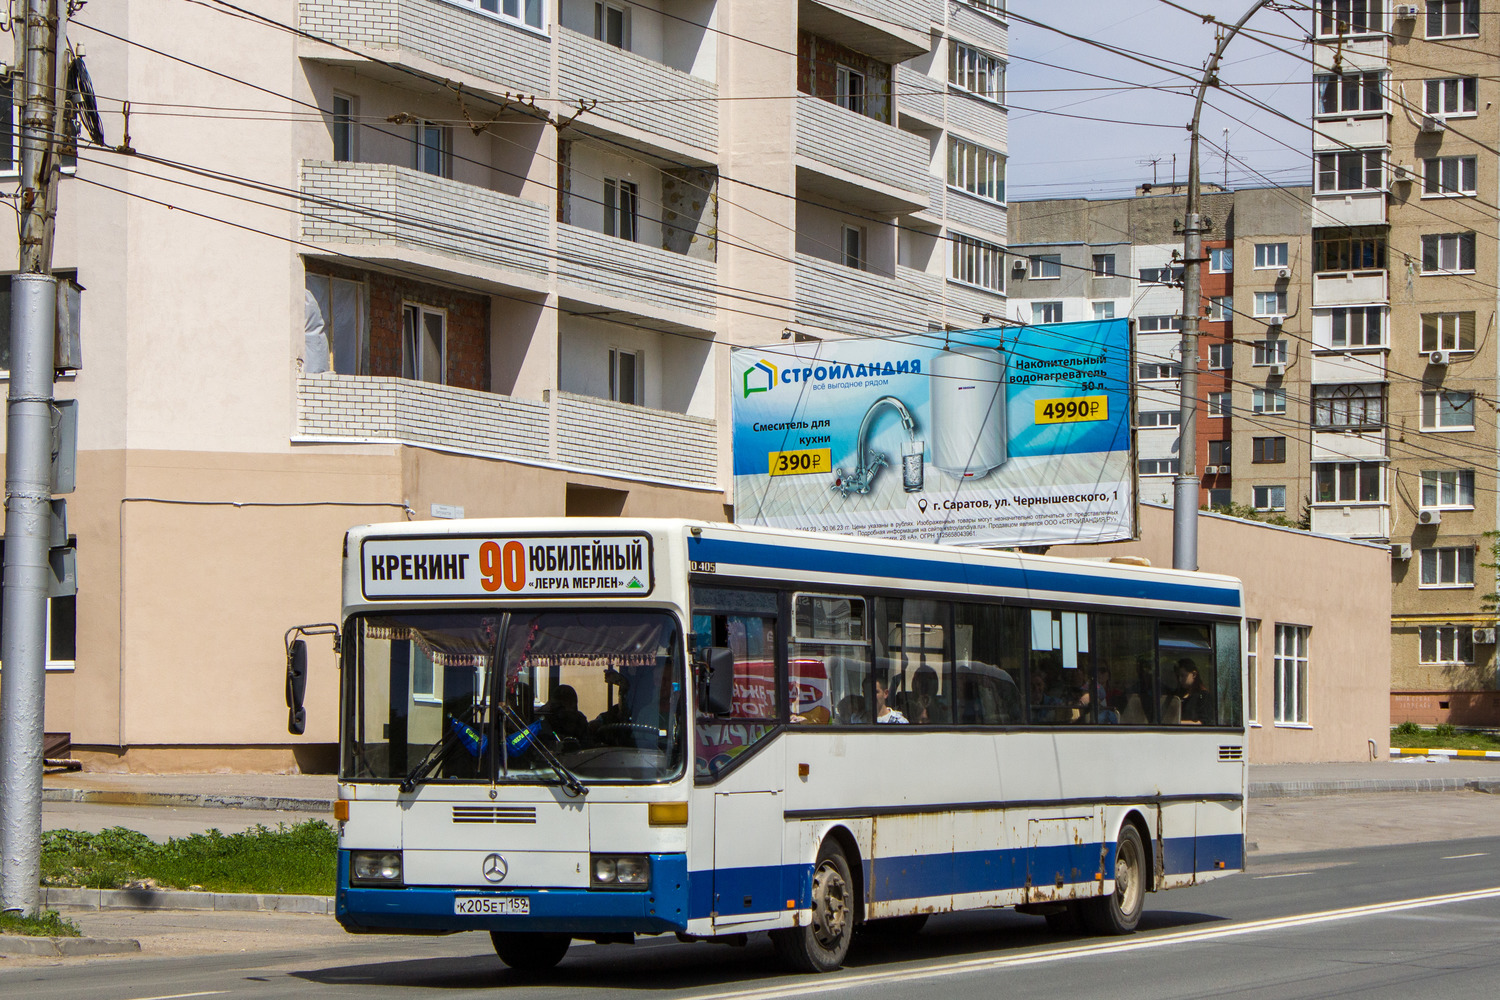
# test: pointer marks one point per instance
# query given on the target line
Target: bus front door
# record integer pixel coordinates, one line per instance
(748, 880)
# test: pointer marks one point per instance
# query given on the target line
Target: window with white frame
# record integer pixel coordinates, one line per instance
(528, 12)
(1449, 567)
(1446, 645)
(1158, 324)
(1348, 482)
(1453, 97)
(992, 6)
(1104, 265)
(61, 651)
(1270, 305)
(1452, 18)
(1219, 404)
(434, 149)
(1046, 265)
(1167, 274)
(1447, 332)
(1445, 411)
(626, 374)
(1046, 312)
(854, 247)
(1269, 352)
(1267, 450)
(1447, 253)
(1349, 94)
(976, 170)
(612, 24)
(1220, 260)
(424, 343)
(1351, 170)
(1450, 177)
(1218, 499)
(340, 308)
(1270, 255)
(345, 138)
(1268, 497)
(1291, 662)
(1267, 400)
(1448, 488)
(849, 89)
(1357, 406)
(1160, 418)
(1159, 466)
(1151, 371)
(1221, 308)
(977, 72)
(1357, 326)
(1349, 17)
(1252, 671)
(975, 262)
(1220, 356)
(622, 206)
(1103, 310)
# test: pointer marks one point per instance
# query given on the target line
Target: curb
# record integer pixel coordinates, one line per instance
(1466, 754)
(1354, 786)
(177, 899)
(65, 947)
(266, 803)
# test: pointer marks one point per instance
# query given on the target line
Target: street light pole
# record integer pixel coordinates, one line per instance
(1186, 485)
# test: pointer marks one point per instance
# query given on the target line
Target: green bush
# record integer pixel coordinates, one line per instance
(1407, 728)
(47, 924)
(1444, 730)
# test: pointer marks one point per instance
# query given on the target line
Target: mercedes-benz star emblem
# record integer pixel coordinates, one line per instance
(494, 868)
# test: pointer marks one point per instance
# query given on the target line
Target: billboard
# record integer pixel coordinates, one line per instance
(1009, 436)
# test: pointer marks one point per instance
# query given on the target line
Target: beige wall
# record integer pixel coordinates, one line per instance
(1335, 587)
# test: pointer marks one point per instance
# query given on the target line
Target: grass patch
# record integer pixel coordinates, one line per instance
(1444, 737)
(297, 859)
(48, 924)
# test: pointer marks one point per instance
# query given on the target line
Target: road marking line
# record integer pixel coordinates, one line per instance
(1111, 948)
(1459, 857)
(1285, 875)
(182, 996)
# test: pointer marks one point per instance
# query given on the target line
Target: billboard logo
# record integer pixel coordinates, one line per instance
(761, 371)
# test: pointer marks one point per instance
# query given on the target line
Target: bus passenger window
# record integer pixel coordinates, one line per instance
(1227, 663)
(745, 623)
(1126, 650)
(1186, 654)
(829, 665)
(918, 654)
(985, 693)
(1062, 669)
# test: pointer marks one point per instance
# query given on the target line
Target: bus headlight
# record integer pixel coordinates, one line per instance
(375, 868)
(619, 871)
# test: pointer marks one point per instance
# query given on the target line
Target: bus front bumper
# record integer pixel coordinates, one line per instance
(662, 908)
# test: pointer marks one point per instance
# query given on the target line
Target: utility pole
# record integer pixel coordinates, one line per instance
(28, 465)
(1185, 487)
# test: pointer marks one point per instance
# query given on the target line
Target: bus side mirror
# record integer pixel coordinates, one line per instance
(296, 686)
(717, 681)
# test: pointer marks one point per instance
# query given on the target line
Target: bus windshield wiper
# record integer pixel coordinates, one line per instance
(570, 781)
(458, 731)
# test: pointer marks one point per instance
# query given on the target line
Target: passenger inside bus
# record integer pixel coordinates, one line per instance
(883, 711)
(563, 716)
(1195, 705)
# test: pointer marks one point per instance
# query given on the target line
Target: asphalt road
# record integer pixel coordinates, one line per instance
(1373, 922)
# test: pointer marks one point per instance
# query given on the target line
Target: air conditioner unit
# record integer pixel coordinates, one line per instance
(1018, 266)
(1278, 370)
(1212, 470)
(1407, 10)
(1429, 517)
(1402, 174)
(1400, 550)
(1431, 124)
(1439, 357)
(1484, 636)
(1285, 272)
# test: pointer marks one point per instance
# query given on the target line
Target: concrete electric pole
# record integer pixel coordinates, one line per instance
(28, 461)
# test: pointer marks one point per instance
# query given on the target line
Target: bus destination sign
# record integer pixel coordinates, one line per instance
(474, 567)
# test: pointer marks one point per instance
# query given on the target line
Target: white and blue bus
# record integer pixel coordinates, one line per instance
(601, 728)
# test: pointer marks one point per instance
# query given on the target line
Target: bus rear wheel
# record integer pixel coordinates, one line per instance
(1120, 911)
(530, 951)
(823, 944)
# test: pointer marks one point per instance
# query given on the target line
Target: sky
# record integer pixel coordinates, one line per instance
(1056, 156)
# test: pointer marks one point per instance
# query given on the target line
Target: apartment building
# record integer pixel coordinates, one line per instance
(386, 259)
(1093, 259)
(1404, 304)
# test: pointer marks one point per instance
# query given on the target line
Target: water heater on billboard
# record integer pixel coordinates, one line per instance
(968, 411)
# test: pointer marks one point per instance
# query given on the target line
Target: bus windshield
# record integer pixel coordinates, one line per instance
(602, 690)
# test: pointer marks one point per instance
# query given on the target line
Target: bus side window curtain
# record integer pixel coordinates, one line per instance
(1227, 656)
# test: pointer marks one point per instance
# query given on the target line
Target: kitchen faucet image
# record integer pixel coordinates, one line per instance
(863, 476)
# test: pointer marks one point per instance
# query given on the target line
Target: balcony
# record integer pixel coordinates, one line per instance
(1349, 288)
(986, 218)
(850, 301)
(860, 161)
(1356, 55)
(1354, 208)
(590, 435)
(1349, 445)
(376, 211)
(1347, 367)
(937, 104)
(430, 37)
(890, 30)
(989, 30)
(1352, 520)
(1351, 133)
(669, 113)
(964, 306)
(629, 282)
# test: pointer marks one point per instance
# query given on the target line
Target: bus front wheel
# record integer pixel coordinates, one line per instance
(823, 944)
(530, 951)
(1120, 911)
